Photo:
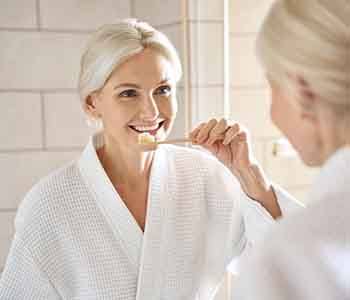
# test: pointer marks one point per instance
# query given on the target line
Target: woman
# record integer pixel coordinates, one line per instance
(123, 223)
(304, 47)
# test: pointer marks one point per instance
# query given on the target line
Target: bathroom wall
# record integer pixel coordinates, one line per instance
(249, 97)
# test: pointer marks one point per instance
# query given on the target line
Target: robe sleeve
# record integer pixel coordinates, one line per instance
(22, 278)
(288, 204)
(258, 222)
(255, 220)
(287, 265)
(265, 276)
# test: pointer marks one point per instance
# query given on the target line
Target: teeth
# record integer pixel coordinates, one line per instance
(146, 128)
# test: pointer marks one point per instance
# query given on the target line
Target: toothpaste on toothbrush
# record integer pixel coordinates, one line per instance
(146, 139)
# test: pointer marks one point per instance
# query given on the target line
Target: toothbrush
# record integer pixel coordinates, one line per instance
(149, 140)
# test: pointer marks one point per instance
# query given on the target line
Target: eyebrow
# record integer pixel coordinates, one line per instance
(126, 84)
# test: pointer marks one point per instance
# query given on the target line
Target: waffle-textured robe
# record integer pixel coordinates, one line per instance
(76, 239)
(308, 256)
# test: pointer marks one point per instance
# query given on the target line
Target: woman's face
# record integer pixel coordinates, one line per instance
(301, 128)
(140, 96)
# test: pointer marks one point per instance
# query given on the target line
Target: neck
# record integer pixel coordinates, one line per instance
(333, 133)
(123, 165)
(336, 138)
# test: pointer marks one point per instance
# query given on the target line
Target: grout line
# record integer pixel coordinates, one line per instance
(43, 121)
(19, 29)
(178, 23)
(72, 30)
(38, 15)
(40, 90)
(51, 30)
(66, 149)
(196, 21)
(46, 150)
(7, 210)
(164, 26)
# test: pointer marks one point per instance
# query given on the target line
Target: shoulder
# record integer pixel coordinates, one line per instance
(303, 234)
(297, 250)
(324, 219)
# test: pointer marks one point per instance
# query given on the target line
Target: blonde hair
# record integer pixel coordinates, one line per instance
(113, 44)
(310, 39)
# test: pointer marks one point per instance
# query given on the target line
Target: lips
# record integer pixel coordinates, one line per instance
(147, 129)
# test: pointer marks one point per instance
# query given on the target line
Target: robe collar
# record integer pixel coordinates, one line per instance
(142, 249)
(334, 176)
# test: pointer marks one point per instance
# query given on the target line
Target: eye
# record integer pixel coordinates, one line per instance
(128, 94)
(163, 90)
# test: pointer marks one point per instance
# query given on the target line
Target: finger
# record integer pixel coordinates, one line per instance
(204, 132)
(194, 133)
(231, 133)
(243, 136)
(217, 132)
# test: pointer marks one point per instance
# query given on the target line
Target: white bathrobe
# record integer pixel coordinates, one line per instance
(76, 239)
(308, 256)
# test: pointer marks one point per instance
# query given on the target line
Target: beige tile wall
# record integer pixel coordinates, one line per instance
(158, 12)
(207, 53)
(250, 95)
(26, 133)
(81, 15)
(40, 60)
(18, 14)
(207, 60)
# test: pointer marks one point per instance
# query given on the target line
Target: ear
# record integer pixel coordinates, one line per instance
(91, 105)
(309, 113)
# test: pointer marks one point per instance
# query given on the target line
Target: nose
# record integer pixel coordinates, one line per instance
(149, 110)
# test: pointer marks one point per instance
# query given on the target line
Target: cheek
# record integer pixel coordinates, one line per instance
(116, 115)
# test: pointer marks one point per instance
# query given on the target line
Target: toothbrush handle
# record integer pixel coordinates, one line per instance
(175, 141)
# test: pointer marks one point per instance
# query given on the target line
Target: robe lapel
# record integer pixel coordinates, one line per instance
(121, 221)
(150, 277)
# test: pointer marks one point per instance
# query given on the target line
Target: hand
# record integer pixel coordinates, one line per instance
(230, 143)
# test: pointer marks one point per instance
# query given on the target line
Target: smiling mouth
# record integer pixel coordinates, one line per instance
(147, 129)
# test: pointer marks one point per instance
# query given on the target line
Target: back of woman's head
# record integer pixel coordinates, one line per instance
(113, 44)
(308, 41)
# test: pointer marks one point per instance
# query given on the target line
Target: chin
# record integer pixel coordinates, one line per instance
(311, 160)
